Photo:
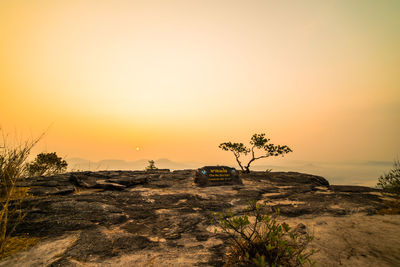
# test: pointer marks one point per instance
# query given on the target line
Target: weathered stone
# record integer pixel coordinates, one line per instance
(63, 262)
(107, 185)
(129, 181)
(42, 191)
(134, 212)
(83, 180)
(202, 237)
(92, 244)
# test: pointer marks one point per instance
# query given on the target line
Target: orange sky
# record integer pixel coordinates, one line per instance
(176, 78)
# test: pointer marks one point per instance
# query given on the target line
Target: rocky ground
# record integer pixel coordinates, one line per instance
(133, 218)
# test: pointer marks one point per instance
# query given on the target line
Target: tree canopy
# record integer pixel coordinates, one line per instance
(47, 164)
(257, 141)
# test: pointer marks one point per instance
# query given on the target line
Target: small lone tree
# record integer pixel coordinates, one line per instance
(151, 166)
(47, 164)
(258, 141)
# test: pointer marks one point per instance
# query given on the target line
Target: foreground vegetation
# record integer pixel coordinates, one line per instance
(264, 242)
(390, 182)
(13, 167)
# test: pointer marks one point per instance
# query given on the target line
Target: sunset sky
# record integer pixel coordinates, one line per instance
(176, 78)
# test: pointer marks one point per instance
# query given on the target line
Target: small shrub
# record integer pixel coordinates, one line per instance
(266, 242)
(151, 166)
(47, 164)
(390, 182)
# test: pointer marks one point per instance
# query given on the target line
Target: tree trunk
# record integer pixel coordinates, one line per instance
(238, 161)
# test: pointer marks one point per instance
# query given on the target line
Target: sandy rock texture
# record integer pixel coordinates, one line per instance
(134, 218)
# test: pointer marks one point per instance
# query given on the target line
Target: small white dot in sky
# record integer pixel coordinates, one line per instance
(137, 148)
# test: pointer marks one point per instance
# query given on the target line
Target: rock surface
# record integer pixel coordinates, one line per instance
(134, 218)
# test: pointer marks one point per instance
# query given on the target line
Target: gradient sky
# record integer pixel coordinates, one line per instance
(176, 78)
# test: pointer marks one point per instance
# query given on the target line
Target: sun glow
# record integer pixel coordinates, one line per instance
(179, 77)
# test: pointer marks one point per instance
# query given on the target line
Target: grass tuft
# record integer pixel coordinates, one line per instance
(16, 244)
(13, 168)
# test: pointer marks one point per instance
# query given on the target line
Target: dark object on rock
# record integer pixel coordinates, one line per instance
(217, 175)
(353, 189)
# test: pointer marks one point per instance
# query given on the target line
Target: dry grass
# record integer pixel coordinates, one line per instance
(16, 244)
(19, 193)
(13, 168)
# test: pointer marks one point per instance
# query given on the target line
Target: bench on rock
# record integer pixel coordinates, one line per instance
(217, 175)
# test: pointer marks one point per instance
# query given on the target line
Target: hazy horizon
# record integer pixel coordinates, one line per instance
(173, 79)
(350, 173)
